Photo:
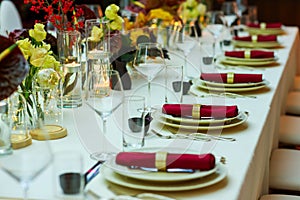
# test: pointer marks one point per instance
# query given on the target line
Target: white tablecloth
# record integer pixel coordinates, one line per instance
(247, 159)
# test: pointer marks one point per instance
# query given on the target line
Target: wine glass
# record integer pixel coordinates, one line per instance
(24, 165)
(149, 61)
(215, 25)
(185, 38)
(230, 10)
(105, 93)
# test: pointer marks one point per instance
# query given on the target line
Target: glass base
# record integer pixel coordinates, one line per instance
(102, 156)
(6, 151)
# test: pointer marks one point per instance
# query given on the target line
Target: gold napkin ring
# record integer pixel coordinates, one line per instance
(230, 77)
(263, 25)
(247, 54)
(161, 160)
(254, 38)
(196, 111)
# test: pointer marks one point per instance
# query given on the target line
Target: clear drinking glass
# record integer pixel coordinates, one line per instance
(149, 61)
(133, 122)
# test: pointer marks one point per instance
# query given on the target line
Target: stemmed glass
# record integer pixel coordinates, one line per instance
(185, 38)
(215, 25)
(105, 95)
(24, 165)
(149, 61)
(230, 10)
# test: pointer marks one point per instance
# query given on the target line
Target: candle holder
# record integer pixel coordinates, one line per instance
(72, 85)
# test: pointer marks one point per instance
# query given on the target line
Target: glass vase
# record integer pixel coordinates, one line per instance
(69, 49)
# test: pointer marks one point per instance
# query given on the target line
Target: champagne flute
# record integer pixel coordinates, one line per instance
(215, 25)
(24, 165)
(149, 61)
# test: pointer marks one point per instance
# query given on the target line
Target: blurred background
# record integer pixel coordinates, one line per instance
(284, 11)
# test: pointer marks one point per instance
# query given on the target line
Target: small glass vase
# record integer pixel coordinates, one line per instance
(69, 49)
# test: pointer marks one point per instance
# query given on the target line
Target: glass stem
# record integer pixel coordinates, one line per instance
(149, 95)
(104, 126)
(185, 65)
(25, 190)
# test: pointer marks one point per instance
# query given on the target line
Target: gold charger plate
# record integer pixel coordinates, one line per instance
(159, 176)
(202, 85)
(266, 31)
(160, 122)
(251, 59)
(205, 121)
(246, 62)
(109, 174)
(256, 44)
(234, 85)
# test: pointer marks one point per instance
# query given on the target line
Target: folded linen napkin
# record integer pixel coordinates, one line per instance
(164, 160)
(197, 111)
(257, 38)
(250, 54)
(265, 25)
(231, 77)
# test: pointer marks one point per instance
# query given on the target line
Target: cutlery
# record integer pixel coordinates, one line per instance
(222, 94)
(180, 136)
(125, 196)
(173, 170)
(201, 135)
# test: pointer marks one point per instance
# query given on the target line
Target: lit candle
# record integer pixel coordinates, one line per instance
(72, 67)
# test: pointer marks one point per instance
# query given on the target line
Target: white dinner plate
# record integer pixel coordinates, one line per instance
(231, 61)
(109, 174)
(202, 85)
(190, 121)
(250, 44)
(161, 122)
(159, 176)
(238, 85)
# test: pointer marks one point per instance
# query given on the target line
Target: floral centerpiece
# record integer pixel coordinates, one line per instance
(39, 56)
(192, 10)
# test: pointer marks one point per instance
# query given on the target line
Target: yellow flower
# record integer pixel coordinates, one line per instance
(47, 78)
(201, 9)
(111, 12)
(135, 33)
(116, 24)
(38, 33)
(51, 62)
(38, 56)
(25, 47)
(159, 13)
(96, 35)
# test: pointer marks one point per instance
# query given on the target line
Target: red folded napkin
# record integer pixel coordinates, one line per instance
(266, 25)
(186, 110)
(260, 38)
(253, 54)
(237, 78)
(182, 161)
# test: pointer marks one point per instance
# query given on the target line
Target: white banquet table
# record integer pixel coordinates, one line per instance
(247, 159)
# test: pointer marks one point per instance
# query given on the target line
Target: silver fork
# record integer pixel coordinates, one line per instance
(180, 136)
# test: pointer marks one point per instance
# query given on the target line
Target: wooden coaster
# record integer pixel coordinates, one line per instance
(53, 132)
(19, 141)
